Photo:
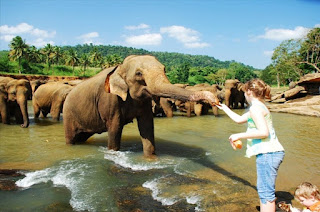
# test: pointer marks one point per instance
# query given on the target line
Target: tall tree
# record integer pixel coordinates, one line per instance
(85, 61)
(72, 59)
(18, 50)
(47, 51)
(34, 54)
(95, 56)
(310, 50)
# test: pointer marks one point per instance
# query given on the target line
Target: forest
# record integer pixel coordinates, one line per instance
(290, 60)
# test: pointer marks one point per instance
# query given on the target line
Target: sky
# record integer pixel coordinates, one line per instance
(246, 31)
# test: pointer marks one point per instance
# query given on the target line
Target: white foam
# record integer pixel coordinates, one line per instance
(153, 185)
(128, 159)
(68, 174)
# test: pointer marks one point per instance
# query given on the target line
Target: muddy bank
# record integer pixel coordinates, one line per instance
(43, 77)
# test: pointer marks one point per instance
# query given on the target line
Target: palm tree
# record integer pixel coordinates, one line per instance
(47, 51)
(95, 56)
(72, 59)
(56, 55)
(113, 60)
(34, 54)
(18, 50)
(84, 60)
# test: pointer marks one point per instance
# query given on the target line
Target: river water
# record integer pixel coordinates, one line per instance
(196, 169)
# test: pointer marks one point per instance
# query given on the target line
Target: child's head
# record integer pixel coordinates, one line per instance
(307, 194)
(259, 88)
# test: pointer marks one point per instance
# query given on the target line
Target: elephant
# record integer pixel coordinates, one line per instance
(49, 98)
(19, 91)
(200, 108)
(3, 103)
(111, 99)
(35, 84)
(234, 93)
(163, 107)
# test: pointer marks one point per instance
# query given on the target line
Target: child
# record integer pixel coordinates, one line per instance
(308, 195)
(262, 141)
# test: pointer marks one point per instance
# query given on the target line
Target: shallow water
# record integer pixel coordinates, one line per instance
(196, 169)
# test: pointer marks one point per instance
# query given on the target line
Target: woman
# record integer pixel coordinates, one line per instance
(262, 141)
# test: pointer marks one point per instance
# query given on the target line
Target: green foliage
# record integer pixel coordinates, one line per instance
(87, 60)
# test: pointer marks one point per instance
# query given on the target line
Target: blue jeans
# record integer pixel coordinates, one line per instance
(267, 171)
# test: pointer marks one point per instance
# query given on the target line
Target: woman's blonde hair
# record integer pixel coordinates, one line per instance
(307, 190)
(259, 88)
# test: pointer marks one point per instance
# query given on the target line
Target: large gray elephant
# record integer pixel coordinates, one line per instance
(117, 95)
(234, 93)
(49, 98)
(19, 91)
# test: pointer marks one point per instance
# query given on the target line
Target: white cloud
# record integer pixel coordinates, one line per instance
(182, 34)
(196, 45)
(7, 38)
(36, 35)
(284, 34)
(146, 39)
(40, 42)
(25, 28)
(317, 26)
(189, 37)
(140, 26)
(89, 38)
(268, 53)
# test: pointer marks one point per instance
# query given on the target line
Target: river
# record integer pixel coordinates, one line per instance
(196, 169)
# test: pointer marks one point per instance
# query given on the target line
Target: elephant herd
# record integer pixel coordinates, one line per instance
(137, 88)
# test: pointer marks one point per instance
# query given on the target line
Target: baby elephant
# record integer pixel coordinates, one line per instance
(49, 98)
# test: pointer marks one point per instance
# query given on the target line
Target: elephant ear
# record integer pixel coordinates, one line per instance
(115, 84)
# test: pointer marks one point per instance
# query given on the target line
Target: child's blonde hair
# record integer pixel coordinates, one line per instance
(259, 88)
(307, 190)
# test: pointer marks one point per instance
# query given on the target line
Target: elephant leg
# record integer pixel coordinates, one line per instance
(146, 129)
(56, 109)
(198, 109)
(69, 132)
(114, 133)
(215, 110)
(36, 109)
(166, 106)
(188, 108)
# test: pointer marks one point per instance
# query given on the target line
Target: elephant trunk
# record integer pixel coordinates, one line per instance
(24, 111)
(163, 88)
(227, 97)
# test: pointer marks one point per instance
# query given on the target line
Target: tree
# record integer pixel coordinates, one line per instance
(95, 57)
(183, 72)
(18, 50)
(113, 60)
(310, 50)
(47, 51)
(84, 60)
(34, 55)
(72, 59)
(284, 60)
(219, 77)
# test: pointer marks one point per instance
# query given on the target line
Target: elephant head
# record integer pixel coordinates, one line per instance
(144, 76)
(234, 93)
(19, 91)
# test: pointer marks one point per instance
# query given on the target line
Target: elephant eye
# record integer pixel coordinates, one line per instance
(139, 73)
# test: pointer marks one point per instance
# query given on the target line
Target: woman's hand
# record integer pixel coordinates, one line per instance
(222, 106)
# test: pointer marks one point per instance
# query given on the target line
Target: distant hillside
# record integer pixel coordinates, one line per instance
(169, 59)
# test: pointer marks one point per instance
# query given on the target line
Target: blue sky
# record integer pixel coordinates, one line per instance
(246, 31)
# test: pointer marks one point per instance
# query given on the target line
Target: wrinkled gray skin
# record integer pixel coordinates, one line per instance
(234, 93)
(19, 91)
(115, 96)
(3, 104)
(49, 98)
